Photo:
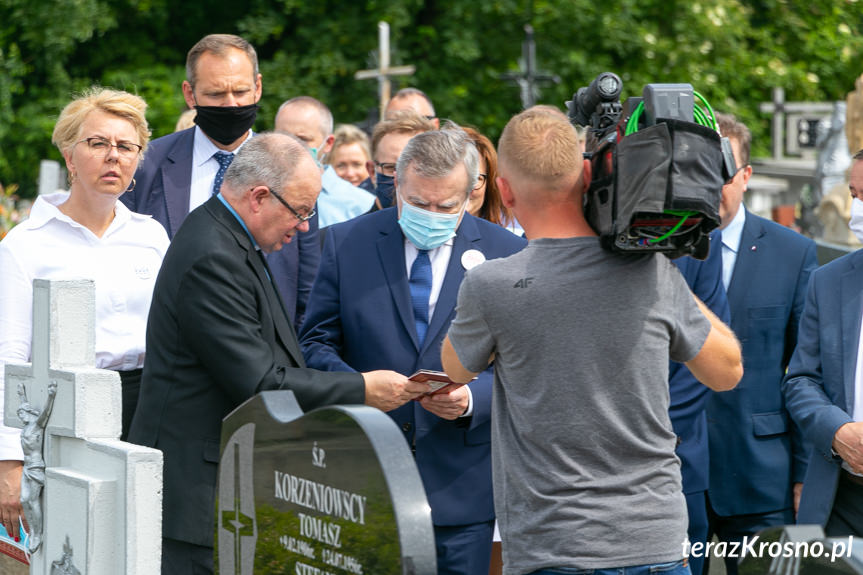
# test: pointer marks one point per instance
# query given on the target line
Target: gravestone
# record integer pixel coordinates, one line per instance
(102, 497)
(51, 176)
(331, 492)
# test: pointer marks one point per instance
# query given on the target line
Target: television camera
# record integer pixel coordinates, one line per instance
(658, 166)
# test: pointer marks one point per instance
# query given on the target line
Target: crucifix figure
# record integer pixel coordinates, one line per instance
(384, 71)
(33, 474)
(528, 76)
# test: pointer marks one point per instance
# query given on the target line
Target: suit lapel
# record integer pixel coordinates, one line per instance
(280, 316)
(391, 251)
(851, 299)
(177, 177)
(745, 266)
(256, 261)
(465, 237)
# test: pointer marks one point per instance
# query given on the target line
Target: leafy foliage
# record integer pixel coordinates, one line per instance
(734, 52)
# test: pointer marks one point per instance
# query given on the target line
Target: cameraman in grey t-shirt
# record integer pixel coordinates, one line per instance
(585, 475)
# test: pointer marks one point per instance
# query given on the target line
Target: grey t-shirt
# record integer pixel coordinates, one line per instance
(585, 473)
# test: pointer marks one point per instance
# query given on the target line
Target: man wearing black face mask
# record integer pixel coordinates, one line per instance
(183, 170)
(388, 140)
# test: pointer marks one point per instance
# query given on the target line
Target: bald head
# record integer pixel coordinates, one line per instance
(539, 151)
(306, 118)
(415, 100)
(269, 159)
(272, 185)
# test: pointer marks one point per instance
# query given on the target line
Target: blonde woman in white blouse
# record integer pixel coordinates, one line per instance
(84, 233)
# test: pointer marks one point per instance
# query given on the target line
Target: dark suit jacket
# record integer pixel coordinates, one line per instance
(360, 318)
(688, 395)
(819, 386)
(162, 186)
(217, 334)
(756, 452)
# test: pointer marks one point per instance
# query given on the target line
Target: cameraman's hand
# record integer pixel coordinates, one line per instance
(388, 390)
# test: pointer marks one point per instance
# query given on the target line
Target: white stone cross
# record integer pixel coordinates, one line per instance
(102, 498)
(384, 71)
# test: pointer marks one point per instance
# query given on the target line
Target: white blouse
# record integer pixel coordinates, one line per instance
(123, 264)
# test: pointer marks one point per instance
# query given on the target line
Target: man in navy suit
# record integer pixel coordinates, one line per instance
(689, 398)
(757, 456)
(183, 170)
(385, 295)
(824, 386)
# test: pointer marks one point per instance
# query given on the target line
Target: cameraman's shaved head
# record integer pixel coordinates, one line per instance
(539, 151)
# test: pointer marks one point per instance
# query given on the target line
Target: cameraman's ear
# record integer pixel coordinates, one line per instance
(506, 195)
(586, 175)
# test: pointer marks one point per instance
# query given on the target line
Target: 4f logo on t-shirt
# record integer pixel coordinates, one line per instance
(523, 283)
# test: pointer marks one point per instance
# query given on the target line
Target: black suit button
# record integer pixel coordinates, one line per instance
(406, 427)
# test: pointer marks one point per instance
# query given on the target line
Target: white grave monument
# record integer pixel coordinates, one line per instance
(102, 499)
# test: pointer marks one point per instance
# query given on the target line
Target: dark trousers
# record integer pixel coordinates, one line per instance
(846, 517)
(130, 382)
(181, 558)
(464, 549)
(696, 508)
(736, 527)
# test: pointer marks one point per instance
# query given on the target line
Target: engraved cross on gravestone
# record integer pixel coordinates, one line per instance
(334, 491)
(102, 498)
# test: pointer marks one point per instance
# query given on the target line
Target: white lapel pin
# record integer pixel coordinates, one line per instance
(472, 258)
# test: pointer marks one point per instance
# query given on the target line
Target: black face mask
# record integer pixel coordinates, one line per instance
(226, 124)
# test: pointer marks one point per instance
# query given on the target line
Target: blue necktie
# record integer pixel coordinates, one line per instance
(224, 159)
(420, 285)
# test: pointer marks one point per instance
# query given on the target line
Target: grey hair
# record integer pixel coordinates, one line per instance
(269, 159)
(435, 154)
(325, 116)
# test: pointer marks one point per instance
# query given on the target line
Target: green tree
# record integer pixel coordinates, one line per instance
(733, 52)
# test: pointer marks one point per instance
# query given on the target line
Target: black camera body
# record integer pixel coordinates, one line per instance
(657, 171)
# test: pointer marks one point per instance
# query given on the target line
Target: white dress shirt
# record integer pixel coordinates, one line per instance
(731, 245)
(123, 263)
(439, 259)
(204, 168)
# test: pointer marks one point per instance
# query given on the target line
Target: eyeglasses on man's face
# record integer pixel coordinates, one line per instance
(296, 214)
(100, 147)
(385, 168)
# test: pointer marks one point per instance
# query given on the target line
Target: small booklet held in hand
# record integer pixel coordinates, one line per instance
(438, 380)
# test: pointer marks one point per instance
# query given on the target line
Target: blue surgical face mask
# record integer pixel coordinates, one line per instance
(314, 153)
(384, 186)
(428, 230)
